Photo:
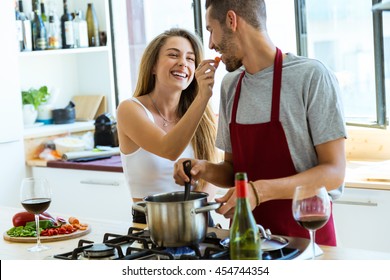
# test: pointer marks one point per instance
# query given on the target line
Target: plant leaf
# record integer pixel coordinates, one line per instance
(35, 97)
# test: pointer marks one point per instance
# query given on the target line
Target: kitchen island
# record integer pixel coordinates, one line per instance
(18, 251)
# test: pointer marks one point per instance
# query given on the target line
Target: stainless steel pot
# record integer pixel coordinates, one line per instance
(173, 222)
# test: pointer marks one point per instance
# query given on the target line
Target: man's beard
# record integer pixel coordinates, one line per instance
(227, 48)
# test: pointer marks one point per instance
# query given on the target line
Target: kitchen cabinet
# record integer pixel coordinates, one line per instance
(11, 133)
(67, 73)
(92, 194)
(362, 219)
(71, 72)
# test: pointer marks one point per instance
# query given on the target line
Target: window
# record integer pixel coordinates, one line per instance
(341, 35)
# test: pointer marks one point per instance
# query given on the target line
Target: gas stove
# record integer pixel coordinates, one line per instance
(137, 245)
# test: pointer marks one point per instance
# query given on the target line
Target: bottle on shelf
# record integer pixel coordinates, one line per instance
(44, 17)
(67, 33)
(19, 27)
(39, 37)
(52, 7)
(245, 239)
(53, 34)
(80, 31)
(93, 26)
(27, 32)
(43, 13)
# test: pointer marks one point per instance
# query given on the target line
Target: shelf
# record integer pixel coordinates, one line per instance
(64, 51)
(54, 129)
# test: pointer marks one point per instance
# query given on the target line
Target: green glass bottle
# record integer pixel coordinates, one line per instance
(93, 26)
(67, 35)
(38, 29)
(245, 240)
(43, 13)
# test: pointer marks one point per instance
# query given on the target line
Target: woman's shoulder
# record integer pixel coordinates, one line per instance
(132, 105)
(132, 102)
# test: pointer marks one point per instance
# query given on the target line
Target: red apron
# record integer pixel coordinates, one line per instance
(261, 150)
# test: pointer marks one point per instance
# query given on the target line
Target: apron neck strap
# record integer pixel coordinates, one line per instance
(236, 98)
(277, 85)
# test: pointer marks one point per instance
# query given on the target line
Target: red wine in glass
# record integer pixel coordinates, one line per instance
(35, 197)
(311, 209)
(312, 222)
(36, 205)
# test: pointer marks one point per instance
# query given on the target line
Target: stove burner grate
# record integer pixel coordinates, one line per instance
(99, 251)
(137, 244)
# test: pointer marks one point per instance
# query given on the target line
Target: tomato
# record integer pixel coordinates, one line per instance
(61, 230)
(217, 60)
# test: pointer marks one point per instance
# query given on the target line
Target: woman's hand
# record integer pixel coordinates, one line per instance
(204, 75)
(198, 167)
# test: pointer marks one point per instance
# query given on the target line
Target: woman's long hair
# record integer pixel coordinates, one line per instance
(203, 141)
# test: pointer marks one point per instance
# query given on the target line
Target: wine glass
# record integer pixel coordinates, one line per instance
(311, 209)
(35, 196)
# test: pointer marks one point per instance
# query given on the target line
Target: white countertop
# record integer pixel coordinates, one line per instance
(18, 251)
(368, 175)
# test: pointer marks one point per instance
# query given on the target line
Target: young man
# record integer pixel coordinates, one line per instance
(280, 121)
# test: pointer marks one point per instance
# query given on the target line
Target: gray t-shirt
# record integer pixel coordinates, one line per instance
(311, 110)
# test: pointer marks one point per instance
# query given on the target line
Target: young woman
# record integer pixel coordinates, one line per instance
(169, 115)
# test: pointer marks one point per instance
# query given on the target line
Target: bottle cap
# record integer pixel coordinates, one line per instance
(241, 185)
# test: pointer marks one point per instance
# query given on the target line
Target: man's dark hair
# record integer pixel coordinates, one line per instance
(252, 11)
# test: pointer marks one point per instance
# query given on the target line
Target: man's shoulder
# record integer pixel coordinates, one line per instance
(305, 63)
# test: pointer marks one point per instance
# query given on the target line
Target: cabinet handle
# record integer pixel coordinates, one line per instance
(347, 202)
(101, 183)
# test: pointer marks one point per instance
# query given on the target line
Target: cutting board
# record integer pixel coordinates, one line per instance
(89, 107)
(53, 238)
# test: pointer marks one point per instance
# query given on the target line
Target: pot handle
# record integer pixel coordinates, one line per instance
(209, 207)
(139, 206)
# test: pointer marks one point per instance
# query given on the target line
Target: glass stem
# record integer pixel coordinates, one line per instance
(37, 229)
(312, 241)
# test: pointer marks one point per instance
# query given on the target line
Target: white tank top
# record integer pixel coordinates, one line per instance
(148, 174)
